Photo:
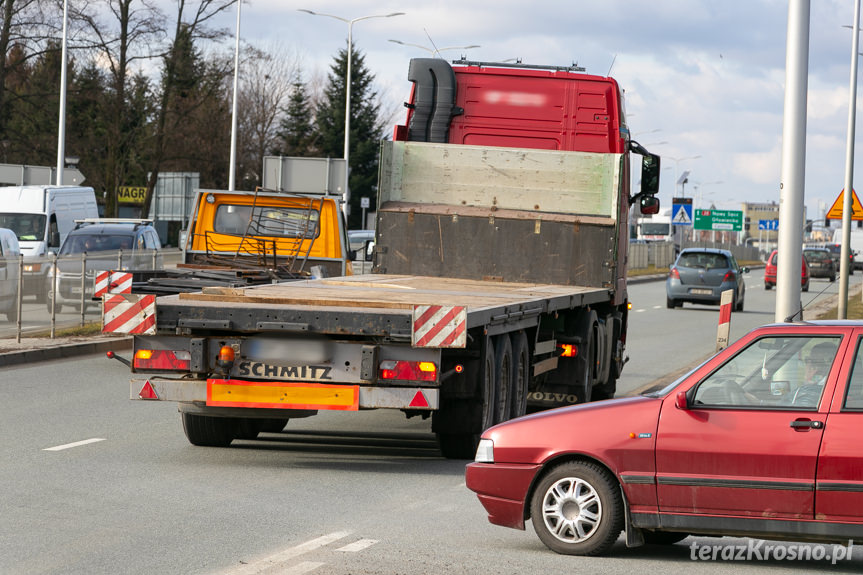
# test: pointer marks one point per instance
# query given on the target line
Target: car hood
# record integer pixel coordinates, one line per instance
(613, 431)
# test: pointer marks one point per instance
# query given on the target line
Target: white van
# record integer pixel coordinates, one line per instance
(9, 264)
(42, 217)
(856, 245)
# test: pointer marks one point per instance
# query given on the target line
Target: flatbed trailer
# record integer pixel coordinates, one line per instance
(498, 284)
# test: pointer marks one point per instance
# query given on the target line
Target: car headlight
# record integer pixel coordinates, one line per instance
(485, 451)
(32, 268)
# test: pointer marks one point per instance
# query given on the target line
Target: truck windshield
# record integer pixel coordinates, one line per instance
(28, 227)
(651, 229)
(266, 221)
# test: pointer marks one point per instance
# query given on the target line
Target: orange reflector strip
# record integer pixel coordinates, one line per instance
(419, 400)
(282, 395)
(147, 392)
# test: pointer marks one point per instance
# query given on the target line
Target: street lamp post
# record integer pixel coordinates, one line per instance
(677, 165)
(346, 194)
(434, 51)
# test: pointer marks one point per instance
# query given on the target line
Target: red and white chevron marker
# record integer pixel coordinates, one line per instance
(129, 313)
(112, 282)
(439, 326)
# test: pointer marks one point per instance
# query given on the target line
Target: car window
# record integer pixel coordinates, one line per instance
(854, 393)
(702, 260)
(772, 372)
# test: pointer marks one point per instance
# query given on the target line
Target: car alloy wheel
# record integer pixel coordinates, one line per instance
(577, 509)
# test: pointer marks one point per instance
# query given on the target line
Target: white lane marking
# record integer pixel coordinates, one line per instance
(268, 562)
(639, 310)
(358, 545)
(76, 444)
(657, 307)
(300, 568)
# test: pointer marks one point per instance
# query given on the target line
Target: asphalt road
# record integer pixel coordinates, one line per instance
(94, 483)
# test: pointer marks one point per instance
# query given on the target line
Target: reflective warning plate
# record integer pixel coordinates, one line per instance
(281, 395)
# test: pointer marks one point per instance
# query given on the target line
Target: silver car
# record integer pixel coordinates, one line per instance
(700, 275)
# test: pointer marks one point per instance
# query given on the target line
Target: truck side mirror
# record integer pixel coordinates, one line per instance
(650, 174)
(649, 205)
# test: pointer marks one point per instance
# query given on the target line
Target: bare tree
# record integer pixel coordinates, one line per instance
(266, 77)
(121, 32)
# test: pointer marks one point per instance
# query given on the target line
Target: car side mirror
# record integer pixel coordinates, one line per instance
(681, 402)
(744, 270)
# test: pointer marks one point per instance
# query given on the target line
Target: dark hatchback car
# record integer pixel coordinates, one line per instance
(700, 275)
(821, 263)
(103, 244)
(836, 252)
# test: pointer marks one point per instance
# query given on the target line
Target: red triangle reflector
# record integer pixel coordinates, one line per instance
(419, 400)
(147, 392)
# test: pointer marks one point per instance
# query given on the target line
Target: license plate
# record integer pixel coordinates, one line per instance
(701, 291)
(282, 395)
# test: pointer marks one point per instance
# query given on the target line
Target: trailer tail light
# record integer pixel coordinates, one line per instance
(568, 349)
(408, 370)
(674, 274)
(162, 359)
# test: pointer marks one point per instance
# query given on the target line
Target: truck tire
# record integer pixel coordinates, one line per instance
(576, 509)
(476, 414)
(248, 428)
(209, 431)
(503, 378)
(586, 360)
(520, 374)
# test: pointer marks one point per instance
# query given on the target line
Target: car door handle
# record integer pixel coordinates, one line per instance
(807, 424)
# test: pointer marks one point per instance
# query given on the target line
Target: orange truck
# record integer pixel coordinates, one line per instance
(498, 283)
(242, 238)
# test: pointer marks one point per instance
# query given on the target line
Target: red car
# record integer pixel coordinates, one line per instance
(761, 440)
(770, 273)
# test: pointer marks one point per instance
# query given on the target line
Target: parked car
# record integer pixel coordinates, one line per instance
(761, 440)
(103, 244)
(700, 275)
(821, 264)
(9, 272)
(836, 252)
(770, 272)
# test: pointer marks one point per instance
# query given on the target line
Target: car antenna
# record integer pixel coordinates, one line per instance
(791, 317)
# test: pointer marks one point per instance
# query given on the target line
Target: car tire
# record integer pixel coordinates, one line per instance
(739, 306)
(209, 431)
(12, 312)
(806, 287)
(663, 537)
(833, 278)
(767, 286)
(576, 509)
(670, 303)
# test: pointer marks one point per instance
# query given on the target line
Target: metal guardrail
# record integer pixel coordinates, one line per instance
(28, 286)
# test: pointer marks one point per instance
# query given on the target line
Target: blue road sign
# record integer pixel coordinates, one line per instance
(770, 225)
(681, 212)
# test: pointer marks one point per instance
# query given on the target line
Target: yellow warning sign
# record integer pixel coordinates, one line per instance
(835, 212)
(131, 194)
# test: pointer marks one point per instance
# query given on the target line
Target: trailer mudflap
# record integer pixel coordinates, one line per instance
(366, 397)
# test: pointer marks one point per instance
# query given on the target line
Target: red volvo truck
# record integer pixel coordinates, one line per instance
(498, 284)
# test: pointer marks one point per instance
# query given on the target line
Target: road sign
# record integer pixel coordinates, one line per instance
(364, 202)
(769, 225)
(131, 194)
(719, 220)
(681, 212)
(837, 209)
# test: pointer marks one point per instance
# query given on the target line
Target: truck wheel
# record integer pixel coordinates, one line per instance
(586, 360)
(209, 431)
(576, 509)
(520, 374)
(479, 412)
(503, 378)
(248, 428)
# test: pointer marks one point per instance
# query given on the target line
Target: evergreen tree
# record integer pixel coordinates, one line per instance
(366, 128)
(296, 131)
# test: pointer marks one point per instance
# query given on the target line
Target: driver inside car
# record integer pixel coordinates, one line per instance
(817, 367)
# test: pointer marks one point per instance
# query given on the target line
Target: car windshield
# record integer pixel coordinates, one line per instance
(78, 244)
(702, 260)
(28, 227)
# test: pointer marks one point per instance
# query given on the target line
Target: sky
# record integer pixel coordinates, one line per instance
(704, 80)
